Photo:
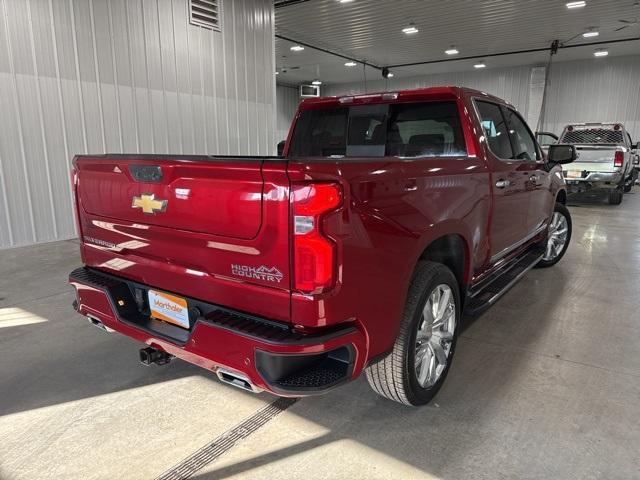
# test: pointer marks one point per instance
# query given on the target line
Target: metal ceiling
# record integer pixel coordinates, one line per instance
(371, 31)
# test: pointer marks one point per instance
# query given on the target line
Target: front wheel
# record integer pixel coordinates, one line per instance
(558, 238)
(421, 357)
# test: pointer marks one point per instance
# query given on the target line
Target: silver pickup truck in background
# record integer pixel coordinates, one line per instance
(605, 161)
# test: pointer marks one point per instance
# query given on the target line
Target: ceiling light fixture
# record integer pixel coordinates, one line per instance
(297, 48)
(480, 65)
(350, 64)
(345, 1)
(410, 30)
(452, 51)
(277, 73)
(591, 33)
(316, 82)
(390, 75)
(576, 4)
(601, 52)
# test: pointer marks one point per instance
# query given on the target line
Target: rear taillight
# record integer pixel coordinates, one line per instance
(618, 159)
(314, 256)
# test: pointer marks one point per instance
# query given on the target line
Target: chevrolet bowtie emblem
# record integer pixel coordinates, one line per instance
(149, 204)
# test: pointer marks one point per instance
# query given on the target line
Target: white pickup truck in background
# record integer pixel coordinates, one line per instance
(606, 157)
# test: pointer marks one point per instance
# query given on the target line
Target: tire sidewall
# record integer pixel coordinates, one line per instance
(418, 395)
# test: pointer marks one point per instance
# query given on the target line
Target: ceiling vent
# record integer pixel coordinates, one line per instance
(205, 13)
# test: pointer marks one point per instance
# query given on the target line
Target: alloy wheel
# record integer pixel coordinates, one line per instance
(558, 232)
(435, 336)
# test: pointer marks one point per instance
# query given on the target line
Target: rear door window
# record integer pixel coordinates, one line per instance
(495, 129)
(429, 129)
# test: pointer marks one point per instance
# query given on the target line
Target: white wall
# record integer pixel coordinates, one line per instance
(603, 89)
(288, 99)
(511, 84)
(94, 76)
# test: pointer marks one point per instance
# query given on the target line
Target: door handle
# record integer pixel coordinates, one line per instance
(503, 183)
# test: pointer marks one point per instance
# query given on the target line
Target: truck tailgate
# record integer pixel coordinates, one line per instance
(220, 198)
(211, 228)
(594, 158)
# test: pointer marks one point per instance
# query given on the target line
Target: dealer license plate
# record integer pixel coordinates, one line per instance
(573, 174)
(169, 308)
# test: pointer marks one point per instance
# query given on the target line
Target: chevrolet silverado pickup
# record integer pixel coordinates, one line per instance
(388, 220)
(606, 159)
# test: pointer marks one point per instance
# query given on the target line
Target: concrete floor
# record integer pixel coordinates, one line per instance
(545, 385)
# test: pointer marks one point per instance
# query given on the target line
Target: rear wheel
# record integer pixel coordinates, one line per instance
(615, 197)
(558, 237)
(421, 357)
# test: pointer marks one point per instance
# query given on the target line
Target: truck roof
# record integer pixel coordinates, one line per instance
(399, 96)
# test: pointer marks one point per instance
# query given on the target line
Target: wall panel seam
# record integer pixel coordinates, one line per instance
(43, 133)
(16, 106)
(98, 82)
(63, 119)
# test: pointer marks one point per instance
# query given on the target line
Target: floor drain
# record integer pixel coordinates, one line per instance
(210, 452)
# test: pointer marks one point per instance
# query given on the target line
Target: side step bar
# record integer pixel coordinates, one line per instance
(482, 300)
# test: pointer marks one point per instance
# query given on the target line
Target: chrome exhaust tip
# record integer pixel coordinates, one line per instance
(98, 323)
(237, 379)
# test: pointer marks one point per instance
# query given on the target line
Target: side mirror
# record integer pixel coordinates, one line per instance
(281, 147)
(562, 154)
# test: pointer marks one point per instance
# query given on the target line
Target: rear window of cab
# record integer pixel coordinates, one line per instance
(428, 129)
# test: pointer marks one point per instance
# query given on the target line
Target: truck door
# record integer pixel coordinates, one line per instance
(509, 179)
(537, 180)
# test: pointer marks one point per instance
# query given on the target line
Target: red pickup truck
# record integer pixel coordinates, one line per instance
(388, 220)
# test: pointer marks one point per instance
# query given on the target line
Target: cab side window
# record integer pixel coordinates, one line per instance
(495, 129)
(522, 141)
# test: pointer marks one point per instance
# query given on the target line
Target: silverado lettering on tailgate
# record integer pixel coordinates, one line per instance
(259, 273)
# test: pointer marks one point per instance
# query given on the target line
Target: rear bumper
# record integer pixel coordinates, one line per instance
(595, 180)
(271, 355)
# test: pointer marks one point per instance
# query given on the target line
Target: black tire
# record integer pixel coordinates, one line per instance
(628, 186)
(561, 209)
(615, 197)
(394, 377)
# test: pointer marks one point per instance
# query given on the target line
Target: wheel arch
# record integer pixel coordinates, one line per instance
(451, 250)
(561, 196)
